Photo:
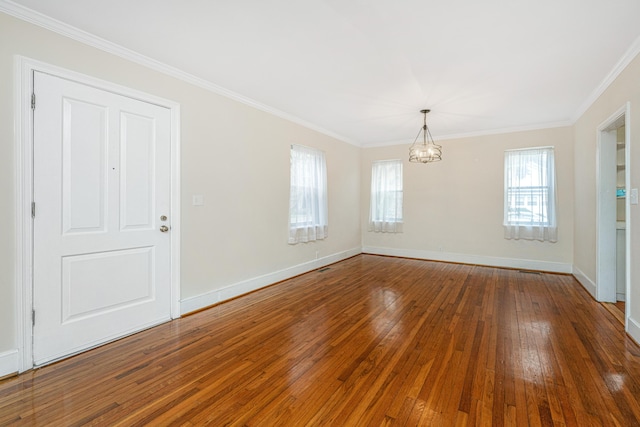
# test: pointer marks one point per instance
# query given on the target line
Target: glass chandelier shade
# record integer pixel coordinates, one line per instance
(425, 150)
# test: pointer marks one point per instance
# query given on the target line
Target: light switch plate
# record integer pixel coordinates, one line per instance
(198, 200)
(633, 196)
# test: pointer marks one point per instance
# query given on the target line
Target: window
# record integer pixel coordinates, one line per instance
(308, 195)
(530, 194)
(385, 213)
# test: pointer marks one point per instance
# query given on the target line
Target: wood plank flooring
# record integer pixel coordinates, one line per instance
(370, 341)
(616, 309)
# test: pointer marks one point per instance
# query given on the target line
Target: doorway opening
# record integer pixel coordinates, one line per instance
(613, 201)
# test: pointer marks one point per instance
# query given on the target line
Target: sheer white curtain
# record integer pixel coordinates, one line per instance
(530, 194)
(385, 212)
(308, 219)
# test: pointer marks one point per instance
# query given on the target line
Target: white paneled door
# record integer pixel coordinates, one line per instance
(101, 227)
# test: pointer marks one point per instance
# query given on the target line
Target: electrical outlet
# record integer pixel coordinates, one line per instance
(198, 200)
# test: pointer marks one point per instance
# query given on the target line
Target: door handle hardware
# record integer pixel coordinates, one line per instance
(164, 228)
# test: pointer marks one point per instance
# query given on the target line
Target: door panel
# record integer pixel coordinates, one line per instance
(94, 284)
(137, 150)
(101, 184)
(84, 148)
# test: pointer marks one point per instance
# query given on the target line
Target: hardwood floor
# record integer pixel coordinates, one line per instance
(617, 309)
(370, 341)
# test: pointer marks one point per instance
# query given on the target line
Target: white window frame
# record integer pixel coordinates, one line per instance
(530, 194)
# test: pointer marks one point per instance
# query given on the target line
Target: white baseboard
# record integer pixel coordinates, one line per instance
(621, 297)
(586, 282)
(198, 302)
(526, 264)
(8, 363)
(633, 329)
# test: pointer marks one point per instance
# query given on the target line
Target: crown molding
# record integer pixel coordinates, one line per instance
(51, 24)
(46, 22)
(526, 128)
(626, 59)
(540, 126)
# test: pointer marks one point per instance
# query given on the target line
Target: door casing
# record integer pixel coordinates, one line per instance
(23, 128)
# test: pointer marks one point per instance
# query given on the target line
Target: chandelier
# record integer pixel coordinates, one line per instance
(425, 151)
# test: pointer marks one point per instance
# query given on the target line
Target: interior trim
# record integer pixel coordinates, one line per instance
(553, 267)
(41, 20)
(488, 132)
(82, 36)
(8, 363)
(216, 296)
(622, 63)
(585, 281)
(633, 329)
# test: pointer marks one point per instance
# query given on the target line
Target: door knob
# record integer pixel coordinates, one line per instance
(164, 228)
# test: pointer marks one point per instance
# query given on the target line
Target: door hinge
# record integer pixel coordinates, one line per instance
(33, 209)
(33, 317)
(33, 101)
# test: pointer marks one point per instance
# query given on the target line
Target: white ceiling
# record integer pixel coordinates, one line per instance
(362, 69)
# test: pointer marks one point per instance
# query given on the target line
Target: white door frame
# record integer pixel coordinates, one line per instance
(606, 211)
(23, 132)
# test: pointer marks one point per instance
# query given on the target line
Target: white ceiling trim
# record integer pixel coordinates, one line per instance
(44, 21)
(626, 59)
(540, 126)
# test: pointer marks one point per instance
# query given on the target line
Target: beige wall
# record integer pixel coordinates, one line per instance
(454, 208)
(234, 155)
(626, 88)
